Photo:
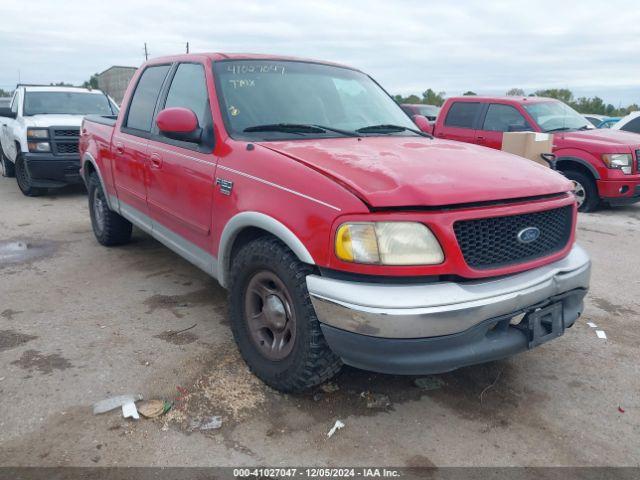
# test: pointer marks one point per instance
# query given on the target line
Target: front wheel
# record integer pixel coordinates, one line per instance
(273, 321)
(25, 182)
(585, 190)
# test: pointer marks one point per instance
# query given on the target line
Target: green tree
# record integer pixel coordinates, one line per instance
(5, 93)
(562, 94)
(469, 93)
(92, 82)
(432, 98)
(61, 84)
(515, 92)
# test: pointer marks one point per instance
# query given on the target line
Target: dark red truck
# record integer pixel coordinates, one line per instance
(342, 233)
(602, 163)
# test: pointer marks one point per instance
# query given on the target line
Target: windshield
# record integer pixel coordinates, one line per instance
(70, 103)
(256, 93)
(556, 116)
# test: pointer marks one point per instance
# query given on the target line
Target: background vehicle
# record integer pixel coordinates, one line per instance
(608, 122)
(602, 163)
(595, 119)
(39, 134)
(5, 102)
(430, 112)
(342, 232)
(630, 123)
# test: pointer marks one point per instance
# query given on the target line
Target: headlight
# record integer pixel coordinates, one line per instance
(621, 161)
(388, 243)
(39, 147)
(37, 133)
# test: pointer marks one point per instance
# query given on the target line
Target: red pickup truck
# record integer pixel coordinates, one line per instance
(342, 232)
(602, 163)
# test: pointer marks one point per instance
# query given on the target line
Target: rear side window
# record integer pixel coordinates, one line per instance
(189, 90)
(462, 114)
(504, 118)
(145, 97)
(632, 126)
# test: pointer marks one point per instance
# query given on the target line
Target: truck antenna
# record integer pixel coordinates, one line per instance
(146, 52)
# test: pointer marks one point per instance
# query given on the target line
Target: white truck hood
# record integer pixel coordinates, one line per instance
(53, 120)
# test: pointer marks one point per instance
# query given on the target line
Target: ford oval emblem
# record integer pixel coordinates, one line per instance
(528, 235)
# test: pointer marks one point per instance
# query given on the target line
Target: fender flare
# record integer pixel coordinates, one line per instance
(259, 220)
(88, 158)
(582, 162)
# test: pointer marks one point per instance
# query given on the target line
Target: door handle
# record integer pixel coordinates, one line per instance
(119, 148)
(156, 160)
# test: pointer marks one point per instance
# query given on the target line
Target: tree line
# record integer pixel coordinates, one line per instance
(593, 105)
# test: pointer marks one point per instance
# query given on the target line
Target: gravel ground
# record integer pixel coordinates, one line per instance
(80, 322)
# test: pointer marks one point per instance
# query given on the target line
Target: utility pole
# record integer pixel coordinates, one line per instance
(146, 52)
(187, 47)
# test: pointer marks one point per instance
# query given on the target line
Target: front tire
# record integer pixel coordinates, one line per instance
(586, 191)
(273, 320)
(25, 182)
(109, 228)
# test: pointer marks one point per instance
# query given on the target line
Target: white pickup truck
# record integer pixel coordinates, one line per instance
(39, 134)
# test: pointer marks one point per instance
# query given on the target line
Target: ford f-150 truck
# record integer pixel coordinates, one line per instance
(342, 232)
(39, 134)
(603, 164)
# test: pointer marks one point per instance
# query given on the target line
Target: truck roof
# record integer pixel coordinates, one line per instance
(55, 88)
(506, 98)
(219, 56)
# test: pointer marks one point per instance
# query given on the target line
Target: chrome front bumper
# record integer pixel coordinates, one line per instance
(441, 308)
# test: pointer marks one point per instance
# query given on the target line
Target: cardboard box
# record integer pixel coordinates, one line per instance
(528, 145)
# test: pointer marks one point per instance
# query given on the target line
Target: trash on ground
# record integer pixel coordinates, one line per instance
(112, 403)
(620, 409)
(592, 325)
(206, 423)
(337, 426)
(429, 383)
(154, 408)
(329, 387)
(129, 410)
(378, 400)
(601, 334)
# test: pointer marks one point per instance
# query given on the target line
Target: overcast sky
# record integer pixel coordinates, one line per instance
(488, 46)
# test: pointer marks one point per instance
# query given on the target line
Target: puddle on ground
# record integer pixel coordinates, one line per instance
(18, 251)
(45, 364)
(12, 339)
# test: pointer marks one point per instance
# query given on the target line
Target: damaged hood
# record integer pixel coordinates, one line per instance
(394, 171)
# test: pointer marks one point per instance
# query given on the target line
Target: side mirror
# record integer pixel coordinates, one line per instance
(550, 158)
(423, 124)
(179, 124)
(6, 112)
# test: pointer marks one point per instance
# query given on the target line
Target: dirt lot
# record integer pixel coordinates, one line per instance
(80, 322)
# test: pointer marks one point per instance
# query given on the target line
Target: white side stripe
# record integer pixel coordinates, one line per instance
(275, 185)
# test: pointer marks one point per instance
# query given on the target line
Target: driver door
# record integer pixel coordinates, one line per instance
(7, 125)
(500, 118)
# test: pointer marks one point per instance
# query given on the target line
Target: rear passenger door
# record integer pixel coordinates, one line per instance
(460, 122)
(500, 118)
(130, 144)
(181, 174)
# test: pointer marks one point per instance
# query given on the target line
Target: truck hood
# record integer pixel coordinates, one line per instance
(53, 120)
(400, 171)
(601, 140)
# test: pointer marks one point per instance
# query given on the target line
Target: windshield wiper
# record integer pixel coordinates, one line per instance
(559, 129)
(300, 128)
(389, 128)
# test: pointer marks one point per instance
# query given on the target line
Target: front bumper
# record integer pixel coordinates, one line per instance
(619, 192)
(47, 170)
(437, 327)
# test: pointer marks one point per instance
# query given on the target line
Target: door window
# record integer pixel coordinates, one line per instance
(462, 114)
(504, 118)
(189, 90)
(144, 99)
(632, 126)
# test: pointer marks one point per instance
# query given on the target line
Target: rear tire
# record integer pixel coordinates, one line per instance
(8, 168)
(109, 228)
(586, 190)
(25, 182)
(273, 320)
